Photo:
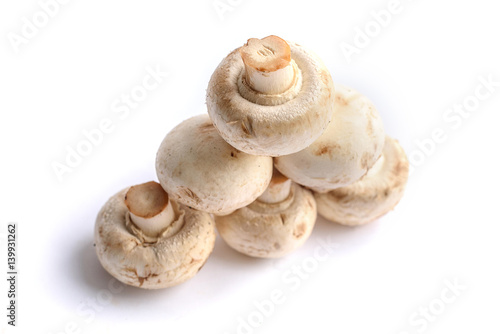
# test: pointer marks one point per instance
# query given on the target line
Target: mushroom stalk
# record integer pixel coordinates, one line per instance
(150, 208)
(278, 189)
(269, 68)
(153, 226)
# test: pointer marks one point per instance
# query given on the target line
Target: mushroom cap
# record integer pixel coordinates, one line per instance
(372, 196)
(351, 144)
(271, 125)
(270, 230)
(197, 168)
(157, 263)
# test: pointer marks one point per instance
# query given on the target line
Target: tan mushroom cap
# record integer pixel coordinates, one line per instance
(199, 169)
(350, 146)
(271, 124)
(152, 263)
(374, 195)
(270, 230)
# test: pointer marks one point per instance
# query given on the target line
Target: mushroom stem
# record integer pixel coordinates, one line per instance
(278, 189)
(269, 68)
(150, 208)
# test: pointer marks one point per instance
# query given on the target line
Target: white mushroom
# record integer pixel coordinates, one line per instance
(372, 196)
(199, 169)
(275, 224)
(270, 97)
(349, 147)
(157, 245)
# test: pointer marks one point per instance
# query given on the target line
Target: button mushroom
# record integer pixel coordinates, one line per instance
(199, 169)
(270, 97)
(346, 150)
(278, 222)
(146, 240)
(372, 196)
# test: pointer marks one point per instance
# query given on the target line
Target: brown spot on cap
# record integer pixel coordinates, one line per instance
(400, 173)
(299, 231)
(323, 150)
(364, 161)
(339, 99)
(337, 195)
(398, 168)
(206, 127)
(326, 78)
(189, 193)
(247, 126)
(282, 218)
(327, 149)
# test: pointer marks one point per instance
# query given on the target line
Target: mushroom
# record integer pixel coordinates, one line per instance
(270, 97)
(278, 222)
(372, 196)
(350, 145)
(199, 169)
(146, 240)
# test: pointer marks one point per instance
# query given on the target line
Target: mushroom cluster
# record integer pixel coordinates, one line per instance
(278, 145)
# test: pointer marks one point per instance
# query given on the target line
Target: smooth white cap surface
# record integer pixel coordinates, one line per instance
(199, 169)
(349, 147)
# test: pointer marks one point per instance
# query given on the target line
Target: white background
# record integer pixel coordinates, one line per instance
(64, 79)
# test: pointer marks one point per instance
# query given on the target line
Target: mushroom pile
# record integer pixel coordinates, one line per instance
(280, 143)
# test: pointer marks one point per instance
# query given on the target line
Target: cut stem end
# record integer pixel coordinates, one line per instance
(150, 208)
(269, 68)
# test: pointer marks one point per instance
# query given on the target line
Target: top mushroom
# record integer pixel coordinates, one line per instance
(270, 97)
